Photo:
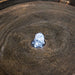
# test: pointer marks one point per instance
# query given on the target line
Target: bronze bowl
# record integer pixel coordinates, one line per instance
(18, 26)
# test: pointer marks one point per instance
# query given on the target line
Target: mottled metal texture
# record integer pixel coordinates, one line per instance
(18, 26)
(7, 3)
(4, 4)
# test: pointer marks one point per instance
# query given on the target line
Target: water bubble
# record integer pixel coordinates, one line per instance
(39, 41)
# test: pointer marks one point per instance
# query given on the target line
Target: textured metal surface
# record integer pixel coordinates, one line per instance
(18, 26)
(7, 3)
(4, 4)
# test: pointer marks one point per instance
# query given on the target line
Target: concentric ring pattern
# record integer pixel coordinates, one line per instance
(18, 26)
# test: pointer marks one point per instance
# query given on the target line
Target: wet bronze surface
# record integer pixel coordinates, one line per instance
(18, 26)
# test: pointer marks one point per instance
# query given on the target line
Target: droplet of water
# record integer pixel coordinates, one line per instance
(39, 41)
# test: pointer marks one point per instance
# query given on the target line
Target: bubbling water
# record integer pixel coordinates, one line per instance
(39, 41)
